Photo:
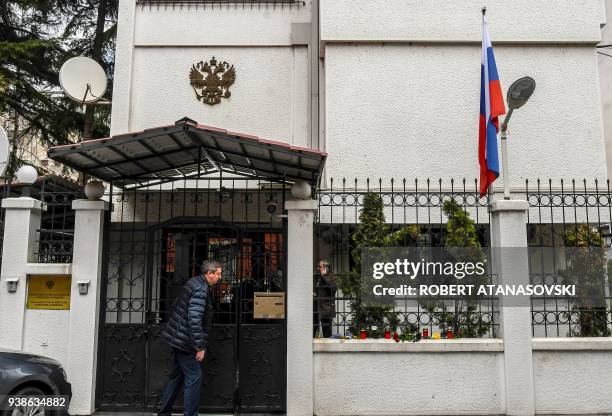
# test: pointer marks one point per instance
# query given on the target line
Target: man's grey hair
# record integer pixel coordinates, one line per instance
(210, 266)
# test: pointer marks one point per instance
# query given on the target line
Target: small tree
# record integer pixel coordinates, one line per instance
(587, 266)
(372, 231)
(460, 233)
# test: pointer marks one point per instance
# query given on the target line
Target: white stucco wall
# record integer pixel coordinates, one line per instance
(219, 25)
(46, 332)
(270, 97)
(402, 85)
(605, 75)
(568, 382)
(573, 376)
(422, 101)
(416, 20)
(382, 377)
(376, 377)
(390, 384)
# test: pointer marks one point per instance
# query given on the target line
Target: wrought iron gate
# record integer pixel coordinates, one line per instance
(245, 368)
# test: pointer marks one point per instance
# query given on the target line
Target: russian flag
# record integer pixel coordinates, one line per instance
(491, 107)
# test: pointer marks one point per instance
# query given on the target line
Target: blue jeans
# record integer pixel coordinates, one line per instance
(186, 369)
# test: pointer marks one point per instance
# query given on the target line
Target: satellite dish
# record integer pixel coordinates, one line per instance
(4, 151)
(83, 80)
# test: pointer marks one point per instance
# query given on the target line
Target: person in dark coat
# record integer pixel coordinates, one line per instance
(325, 300)
(187, 334)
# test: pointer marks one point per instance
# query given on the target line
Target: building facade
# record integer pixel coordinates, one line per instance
(335, 100)
(401, 75)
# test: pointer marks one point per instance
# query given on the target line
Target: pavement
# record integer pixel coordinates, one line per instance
(261, 414)
(106, 413)
(153, 414)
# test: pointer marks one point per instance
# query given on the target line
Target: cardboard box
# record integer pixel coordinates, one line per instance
(269, 305)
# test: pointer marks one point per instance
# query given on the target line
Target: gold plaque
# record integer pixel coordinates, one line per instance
(50, 292)
(269, 305)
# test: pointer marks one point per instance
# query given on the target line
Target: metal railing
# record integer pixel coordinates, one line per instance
(562, 215)
(56, 233)
(243, 4)
(416, 204)
(574, 215)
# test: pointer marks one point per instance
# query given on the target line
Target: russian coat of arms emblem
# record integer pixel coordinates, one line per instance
(211, 80)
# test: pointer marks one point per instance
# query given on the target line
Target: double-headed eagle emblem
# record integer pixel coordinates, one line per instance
(212, 80)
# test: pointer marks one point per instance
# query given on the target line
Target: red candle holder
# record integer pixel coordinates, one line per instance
(449, 334)
(426, 333)
(362, 334)
(387, 334)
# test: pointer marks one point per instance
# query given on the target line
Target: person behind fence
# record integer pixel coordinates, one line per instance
(187, 335)
(324, 301)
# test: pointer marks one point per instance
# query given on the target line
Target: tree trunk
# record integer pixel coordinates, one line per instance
(96, 55)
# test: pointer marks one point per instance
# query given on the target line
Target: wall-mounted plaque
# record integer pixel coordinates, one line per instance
(49, 292)
(269, 305)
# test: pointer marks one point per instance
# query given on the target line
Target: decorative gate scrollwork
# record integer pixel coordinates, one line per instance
(245, 367)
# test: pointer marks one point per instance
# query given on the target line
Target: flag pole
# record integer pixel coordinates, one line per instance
(504, 145)
(504, 155)
(490, 187)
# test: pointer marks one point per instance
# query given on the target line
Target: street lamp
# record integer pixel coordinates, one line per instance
(26, 175)
(518, 94)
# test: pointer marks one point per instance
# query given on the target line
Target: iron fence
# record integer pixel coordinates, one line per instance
(417, 206)
(562, 215)
(56, 233)
(577, 215)
(242, 4)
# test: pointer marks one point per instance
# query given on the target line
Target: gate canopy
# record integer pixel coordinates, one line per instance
(188, 150)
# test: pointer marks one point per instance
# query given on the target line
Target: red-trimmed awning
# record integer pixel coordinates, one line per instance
(188, 150)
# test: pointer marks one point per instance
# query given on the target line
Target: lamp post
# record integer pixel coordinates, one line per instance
(26, 175)
(518, 94)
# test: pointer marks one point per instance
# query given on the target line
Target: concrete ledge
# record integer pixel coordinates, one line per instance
(384, 345)
(48, 268)
(457, 345)
(89, 204)
(509, 205)
(302, 205)
(22, 203)
(572, 344)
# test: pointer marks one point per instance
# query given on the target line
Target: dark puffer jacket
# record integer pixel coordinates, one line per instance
(187, 328)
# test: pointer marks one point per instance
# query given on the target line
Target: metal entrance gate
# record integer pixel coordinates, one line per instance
(245, 365)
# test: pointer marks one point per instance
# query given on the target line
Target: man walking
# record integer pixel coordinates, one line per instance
(187, 334)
